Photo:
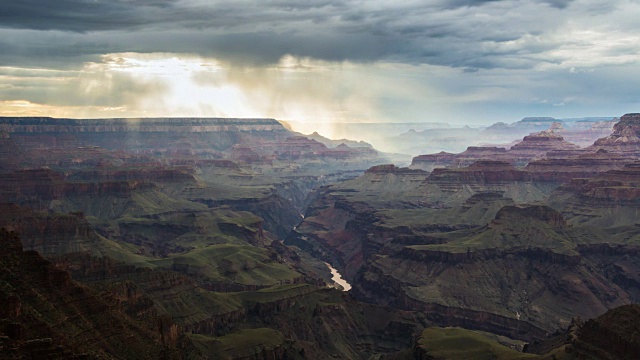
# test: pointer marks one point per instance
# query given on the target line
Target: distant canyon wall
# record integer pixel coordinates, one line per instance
(51, 125)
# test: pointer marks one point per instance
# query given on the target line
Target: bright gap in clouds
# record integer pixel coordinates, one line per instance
(183, 94)
(302, 90)
(312, 94)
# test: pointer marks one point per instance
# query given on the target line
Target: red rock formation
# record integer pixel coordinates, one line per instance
(117, 189)
(300, 147)
(532, 146)
(35, 188)
(48, 315)
(620, 186)
(50, 235)
(584, 133)
(565, 167)
(541, 143)
(392, 169)
(153, 172)
(152, 125)
(475, 153)
(624, 138)
(484, 172)
(431, 161)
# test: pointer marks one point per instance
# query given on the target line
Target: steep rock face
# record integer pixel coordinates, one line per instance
(478, 173)
(521, 276)
(46, 314)
(352, 221)
(533, 146)
(493, 176)
(188, 137)
(303, 148)
(310, 321)
(279, 214)
(545, 175)
(116, 189)
(103, 192)
(51, 125)
(584, 133)
(429, 162)
(10, 153)
(624, 138)
(392, 169)
(609, 199)
(476, 153)
(613, 335)
(472, 154)
(154, 172)
(50, 235)
(489, 295)
(538, 144)
(249, 140)
(335, 143)
(543, 141)
(35, 188)
(155, 293)
(335, 231)
(564, 166)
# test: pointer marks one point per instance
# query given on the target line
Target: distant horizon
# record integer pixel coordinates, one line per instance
(374, 133)
(460, 62)
(311, 123)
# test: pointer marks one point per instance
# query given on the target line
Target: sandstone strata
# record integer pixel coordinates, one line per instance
(37, 298)
(624, 138)
(532, 146)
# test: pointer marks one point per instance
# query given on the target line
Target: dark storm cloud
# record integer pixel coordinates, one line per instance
(258, 33)
(560, 4)
(100, 15)
(468, 34)
(460, 3)
(80, 15)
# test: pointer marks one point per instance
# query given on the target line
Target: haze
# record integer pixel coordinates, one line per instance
(319, 62)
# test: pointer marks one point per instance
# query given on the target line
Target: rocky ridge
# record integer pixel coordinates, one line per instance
(36, 297)
(532, 146)
(520, 264)
(624, 138)
(608, 199)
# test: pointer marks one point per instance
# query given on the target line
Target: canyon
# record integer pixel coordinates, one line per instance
(228, 238)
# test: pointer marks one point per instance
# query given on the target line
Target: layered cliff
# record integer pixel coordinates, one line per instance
(608, 199)
(493, 176)
(12, 125)
(53, 235)
(80, 142)
(532, 146)
(45, 314)
(523, 275)
(624, 138)
(36, 188)
(564, 167)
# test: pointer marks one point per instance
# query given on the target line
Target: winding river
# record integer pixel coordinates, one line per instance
(336, 277)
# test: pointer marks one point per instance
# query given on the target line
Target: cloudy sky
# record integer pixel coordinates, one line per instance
(315, 61)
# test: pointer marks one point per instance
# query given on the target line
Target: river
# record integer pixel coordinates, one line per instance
(336, 277)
